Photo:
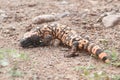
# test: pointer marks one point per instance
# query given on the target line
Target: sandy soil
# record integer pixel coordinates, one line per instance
(49, 63)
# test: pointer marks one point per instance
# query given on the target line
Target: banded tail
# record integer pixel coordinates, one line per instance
(96, 50)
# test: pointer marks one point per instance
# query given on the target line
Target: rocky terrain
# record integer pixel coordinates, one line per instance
(97, 19)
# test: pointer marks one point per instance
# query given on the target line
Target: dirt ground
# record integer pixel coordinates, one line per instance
(49, 63)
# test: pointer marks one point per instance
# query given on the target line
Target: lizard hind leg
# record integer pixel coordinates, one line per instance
(73, 52)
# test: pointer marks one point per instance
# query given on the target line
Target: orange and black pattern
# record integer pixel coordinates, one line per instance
(45, 34)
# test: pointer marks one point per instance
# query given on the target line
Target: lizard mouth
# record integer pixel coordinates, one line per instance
(33, 41)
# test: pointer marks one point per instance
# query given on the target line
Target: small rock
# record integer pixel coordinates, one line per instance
(93, 2)
(87, 37)
(49, 18)
(7, 31)
(32, 4)
(2, 15)
(64, 2)
(44, 18)
(105, 14)
(62, 15)
(2, 12)
(11, 28)
(84, 13)
(97, 25)
(111, 20)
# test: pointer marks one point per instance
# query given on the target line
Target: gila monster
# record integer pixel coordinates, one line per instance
(43, 35)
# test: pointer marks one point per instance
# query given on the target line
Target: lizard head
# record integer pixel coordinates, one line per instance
(31, 39)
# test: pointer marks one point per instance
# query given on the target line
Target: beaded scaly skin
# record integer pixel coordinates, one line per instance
(45, 34)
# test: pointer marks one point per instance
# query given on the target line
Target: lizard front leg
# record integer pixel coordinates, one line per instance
(46, 40)
(73, 51)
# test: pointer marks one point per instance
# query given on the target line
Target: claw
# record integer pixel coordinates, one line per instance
(71, 55)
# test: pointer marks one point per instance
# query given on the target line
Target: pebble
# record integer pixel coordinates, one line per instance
(111, 20)
(2, 15)
(44, 18)
(93, 2)
(11, 28)
(64, 2)
(48, 18)
(6, 31)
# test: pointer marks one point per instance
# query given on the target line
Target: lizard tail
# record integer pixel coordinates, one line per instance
(96, 50)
